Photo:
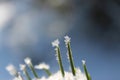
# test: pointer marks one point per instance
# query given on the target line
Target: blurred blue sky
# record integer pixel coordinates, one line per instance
(27, 28)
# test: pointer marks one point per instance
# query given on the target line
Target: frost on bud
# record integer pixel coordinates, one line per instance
(83, 62)
(55, 43)
(27, 61)
(69, 54)
(58, 55)
(22, 67)
(67, 39)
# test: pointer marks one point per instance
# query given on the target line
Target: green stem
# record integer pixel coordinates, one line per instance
(27, 75)
(71, 59)
(48, 72)
(33, 70)
(86, 72)
(60, 61)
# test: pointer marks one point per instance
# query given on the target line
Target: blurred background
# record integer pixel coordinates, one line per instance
(27, 28)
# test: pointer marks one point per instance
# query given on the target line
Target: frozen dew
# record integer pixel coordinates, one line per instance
(69, 54)
(27, 61)
(55, 43)
(22, 67)
(67, 39)
(83, 62)
(58, 55)
(68, 76)
(42, 66)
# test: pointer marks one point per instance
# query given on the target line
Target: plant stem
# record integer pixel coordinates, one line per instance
(60, 61)
(27, 75)
(71, 58)
(33, 70)
(48, 72)
(86, 72)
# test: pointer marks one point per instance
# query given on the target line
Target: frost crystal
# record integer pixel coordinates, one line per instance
(42, 66)
(22, 67)
(67, 39)
(68, 76)
(83, 62)
(55, 43)
(27, 61)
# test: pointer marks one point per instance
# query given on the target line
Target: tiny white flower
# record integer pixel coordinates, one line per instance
(55, 43)
(27, 61)
(22, 67)
(12, 70)
(42, 66)
(67, 39)
(83, 62)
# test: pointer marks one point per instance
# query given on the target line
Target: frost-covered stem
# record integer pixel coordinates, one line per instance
(67, 42)
(85, 70)
(33, 70)
(57, 49)
(27, 75)
(29, 63)
(23, 68)
(60, 60)
(47, 72)
(70, 58)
